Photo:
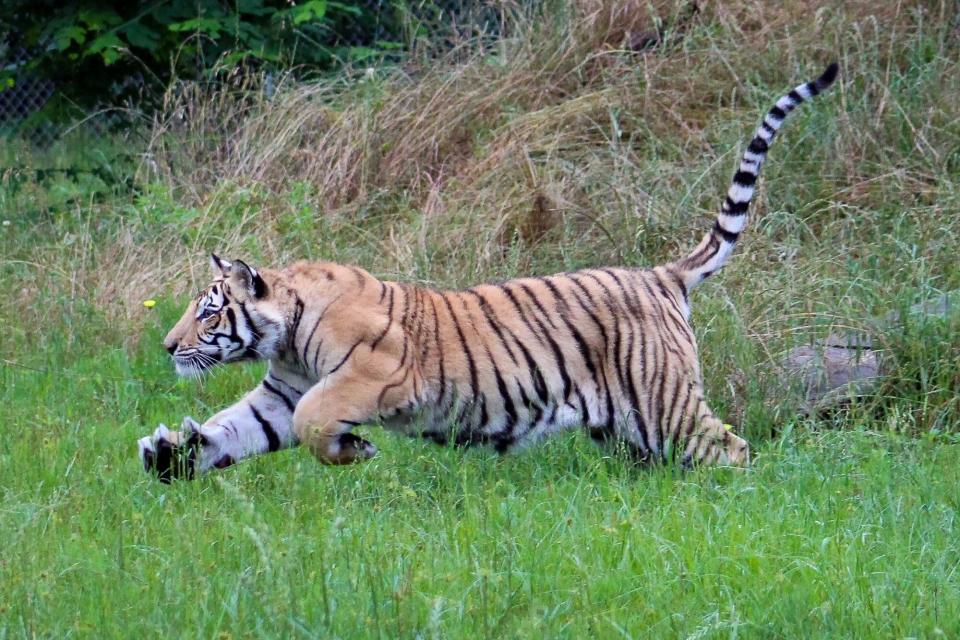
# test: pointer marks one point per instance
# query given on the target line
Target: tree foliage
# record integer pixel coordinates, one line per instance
(100, 52)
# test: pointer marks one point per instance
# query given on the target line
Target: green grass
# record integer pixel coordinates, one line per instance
(845, 526)
(832, 534)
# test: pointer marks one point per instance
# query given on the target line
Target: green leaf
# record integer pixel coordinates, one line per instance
(107, 47)
(358, 54)
(346, 8)
(96, 19)
(68, 34)
(141, 36)
(208, 26)
(253, 8)
(308, 11)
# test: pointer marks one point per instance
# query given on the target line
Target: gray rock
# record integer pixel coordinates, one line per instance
(838, 368)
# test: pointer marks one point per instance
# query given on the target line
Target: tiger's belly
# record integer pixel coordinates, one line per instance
(477, 424)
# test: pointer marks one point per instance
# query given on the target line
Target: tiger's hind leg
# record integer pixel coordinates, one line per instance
(713, 442)
(618, 445)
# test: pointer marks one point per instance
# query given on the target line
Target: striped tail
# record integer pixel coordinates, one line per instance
(716, 246)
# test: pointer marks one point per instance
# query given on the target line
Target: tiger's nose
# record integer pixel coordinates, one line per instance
(170, 346)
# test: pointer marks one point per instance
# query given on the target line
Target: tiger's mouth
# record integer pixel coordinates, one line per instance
(192, 363)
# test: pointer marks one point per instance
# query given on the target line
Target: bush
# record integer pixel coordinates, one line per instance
(100, 52)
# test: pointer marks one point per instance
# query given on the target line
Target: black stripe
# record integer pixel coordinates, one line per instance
(506, 397)
(536, 302)
(272, 389)
(589, 312)
(609, 423)
(768, 129)
(529, 404)
(345, 357)
(316, 356)
(251, 349)
(436, 338)
(491, 320)
(295, 325)
(504, 439)
(663, 315)
(671, 407)
(615, 357)
(679, 282)
(259, 286)
(257, 336)
(796, 97)
(577, 336)
(684, 415)
(663, 287)
(416, 321)
(745, 178)
(275, 378)
(393, 385)
(736, 208)
(558, 354)
(584, 410)
(383, 333)
(362, 281)
(634, 304)
(232, 317)
(728, 236)
(424, 343)
(777, 113)
(759, 146)
(406, 306)
(306, 344)
(626, 374)
(539, 382)
(474, 384)
(484, 415)
(273, 441)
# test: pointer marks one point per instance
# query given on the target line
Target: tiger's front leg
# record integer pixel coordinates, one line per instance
(366, 388)
(262, 422)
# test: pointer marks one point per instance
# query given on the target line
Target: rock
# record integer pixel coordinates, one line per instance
(832, 371)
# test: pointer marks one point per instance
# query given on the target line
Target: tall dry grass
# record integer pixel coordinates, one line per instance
(589, 132)
(522, 127)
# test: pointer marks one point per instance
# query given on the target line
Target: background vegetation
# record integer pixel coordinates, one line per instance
(100, 53)
(592, 132)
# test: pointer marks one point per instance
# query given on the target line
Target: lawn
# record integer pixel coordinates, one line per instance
(537, 155)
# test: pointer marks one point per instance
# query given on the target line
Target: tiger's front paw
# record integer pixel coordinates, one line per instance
(172, 454)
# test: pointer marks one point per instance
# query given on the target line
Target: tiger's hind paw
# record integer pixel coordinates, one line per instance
(348, 448)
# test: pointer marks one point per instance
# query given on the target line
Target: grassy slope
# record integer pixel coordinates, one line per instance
(838, 532)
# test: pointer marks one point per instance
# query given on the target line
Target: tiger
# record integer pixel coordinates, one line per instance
(607, 350)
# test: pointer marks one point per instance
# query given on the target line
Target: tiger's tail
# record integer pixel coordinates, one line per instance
(716, 246)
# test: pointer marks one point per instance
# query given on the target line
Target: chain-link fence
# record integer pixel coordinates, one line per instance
(21, 102)
(23, 106)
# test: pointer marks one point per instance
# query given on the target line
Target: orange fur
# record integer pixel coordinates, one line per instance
(497, 363)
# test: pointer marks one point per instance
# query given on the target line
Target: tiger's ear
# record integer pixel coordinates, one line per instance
(246, 278)
(220, 267)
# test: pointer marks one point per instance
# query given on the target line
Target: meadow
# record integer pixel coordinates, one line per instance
(565, 141)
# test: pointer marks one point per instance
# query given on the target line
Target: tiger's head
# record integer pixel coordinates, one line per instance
(234, 318)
